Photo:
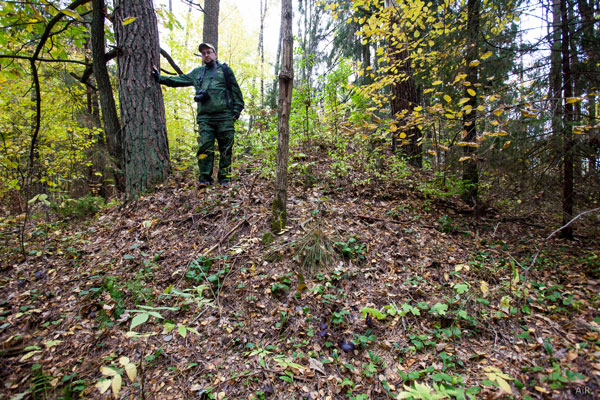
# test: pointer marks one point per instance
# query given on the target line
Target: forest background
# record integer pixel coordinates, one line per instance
(459, 103)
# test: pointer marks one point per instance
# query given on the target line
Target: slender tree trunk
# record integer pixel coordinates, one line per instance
(112, 127)
(593, 143)
(145, 142)
(555, 72)
(286, 82)
(568, 195)
(210, 31)
(366, 62)
(261, 50)
(470, 171)
(274, 89)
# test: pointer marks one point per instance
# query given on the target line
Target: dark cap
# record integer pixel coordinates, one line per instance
(206, 46)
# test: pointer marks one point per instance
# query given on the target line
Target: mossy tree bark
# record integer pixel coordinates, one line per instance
(286, 83)
(145, 143)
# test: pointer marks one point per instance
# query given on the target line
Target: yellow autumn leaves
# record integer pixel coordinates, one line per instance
(113, 378)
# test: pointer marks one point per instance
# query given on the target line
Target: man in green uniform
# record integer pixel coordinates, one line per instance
(220, 103)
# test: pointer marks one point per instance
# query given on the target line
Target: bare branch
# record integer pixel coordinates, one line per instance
(171, 61)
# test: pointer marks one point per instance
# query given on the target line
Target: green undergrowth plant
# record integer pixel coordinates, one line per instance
(282, 285)
(73, 387)
(352, 248)
(201, 270)
(442, 186)
(40, 384)
(82, 207)
(110, 307)
(186, 299)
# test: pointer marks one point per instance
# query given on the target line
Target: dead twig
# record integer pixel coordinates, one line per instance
(224, 238)
(581, 214)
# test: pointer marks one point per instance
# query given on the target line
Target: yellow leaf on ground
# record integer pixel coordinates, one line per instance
(30, 354)
(503, 385)
(131, 372)
(103, 385)
(460, 267)
(108, 371)
(484, 288)
(116, 385)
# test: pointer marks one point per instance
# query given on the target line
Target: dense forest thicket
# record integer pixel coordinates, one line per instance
(441, 202)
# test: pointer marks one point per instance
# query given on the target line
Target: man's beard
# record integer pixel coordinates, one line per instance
(210, 64)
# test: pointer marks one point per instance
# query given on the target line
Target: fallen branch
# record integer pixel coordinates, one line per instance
(224, 238)
(581, 214)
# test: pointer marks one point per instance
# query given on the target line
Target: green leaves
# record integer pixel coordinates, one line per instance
(373, 312)
(138, 320)
(439, 309)
(145, 313)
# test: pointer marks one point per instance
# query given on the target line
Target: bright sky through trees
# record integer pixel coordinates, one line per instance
(250, 11)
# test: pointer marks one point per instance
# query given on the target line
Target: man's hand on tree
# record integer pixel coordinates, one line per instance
(155, 74)
(236, 116)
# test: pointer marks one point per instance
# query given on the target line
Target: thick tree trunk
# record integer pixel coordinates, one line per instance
(112, 127)
(568, 198)
(404, 100)
(286, 82)
(470, 170)
(210, 31)
(145, 143)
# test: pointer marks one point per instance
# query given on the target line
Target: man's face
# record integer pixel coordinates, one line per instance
(208, 55)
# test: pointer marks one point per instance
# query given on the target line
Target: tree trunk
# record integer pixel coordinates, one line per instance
(112, 127)
(286, 81)
(261, 50)
(470, 171)
(555, 91)
(404, 100)
(277, 65)
(145, 142)
(210, 31)
(568, 199)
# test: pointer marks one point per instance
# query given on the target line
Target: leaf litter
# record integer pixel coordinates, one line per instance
(373, 289)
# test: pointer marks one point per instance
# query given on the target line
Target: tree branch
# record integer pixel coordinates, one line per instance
(43, 59)
(581, 214)
(171, 61)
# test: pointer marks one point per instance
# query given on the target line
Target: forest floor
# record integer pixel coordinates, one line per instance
(375, 289)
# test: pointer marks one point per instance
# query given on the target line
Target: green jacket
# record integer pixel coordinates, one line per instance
(220, 101)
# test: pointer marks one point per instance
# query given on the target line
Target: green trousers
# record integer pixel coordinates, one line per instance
(223, 131)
